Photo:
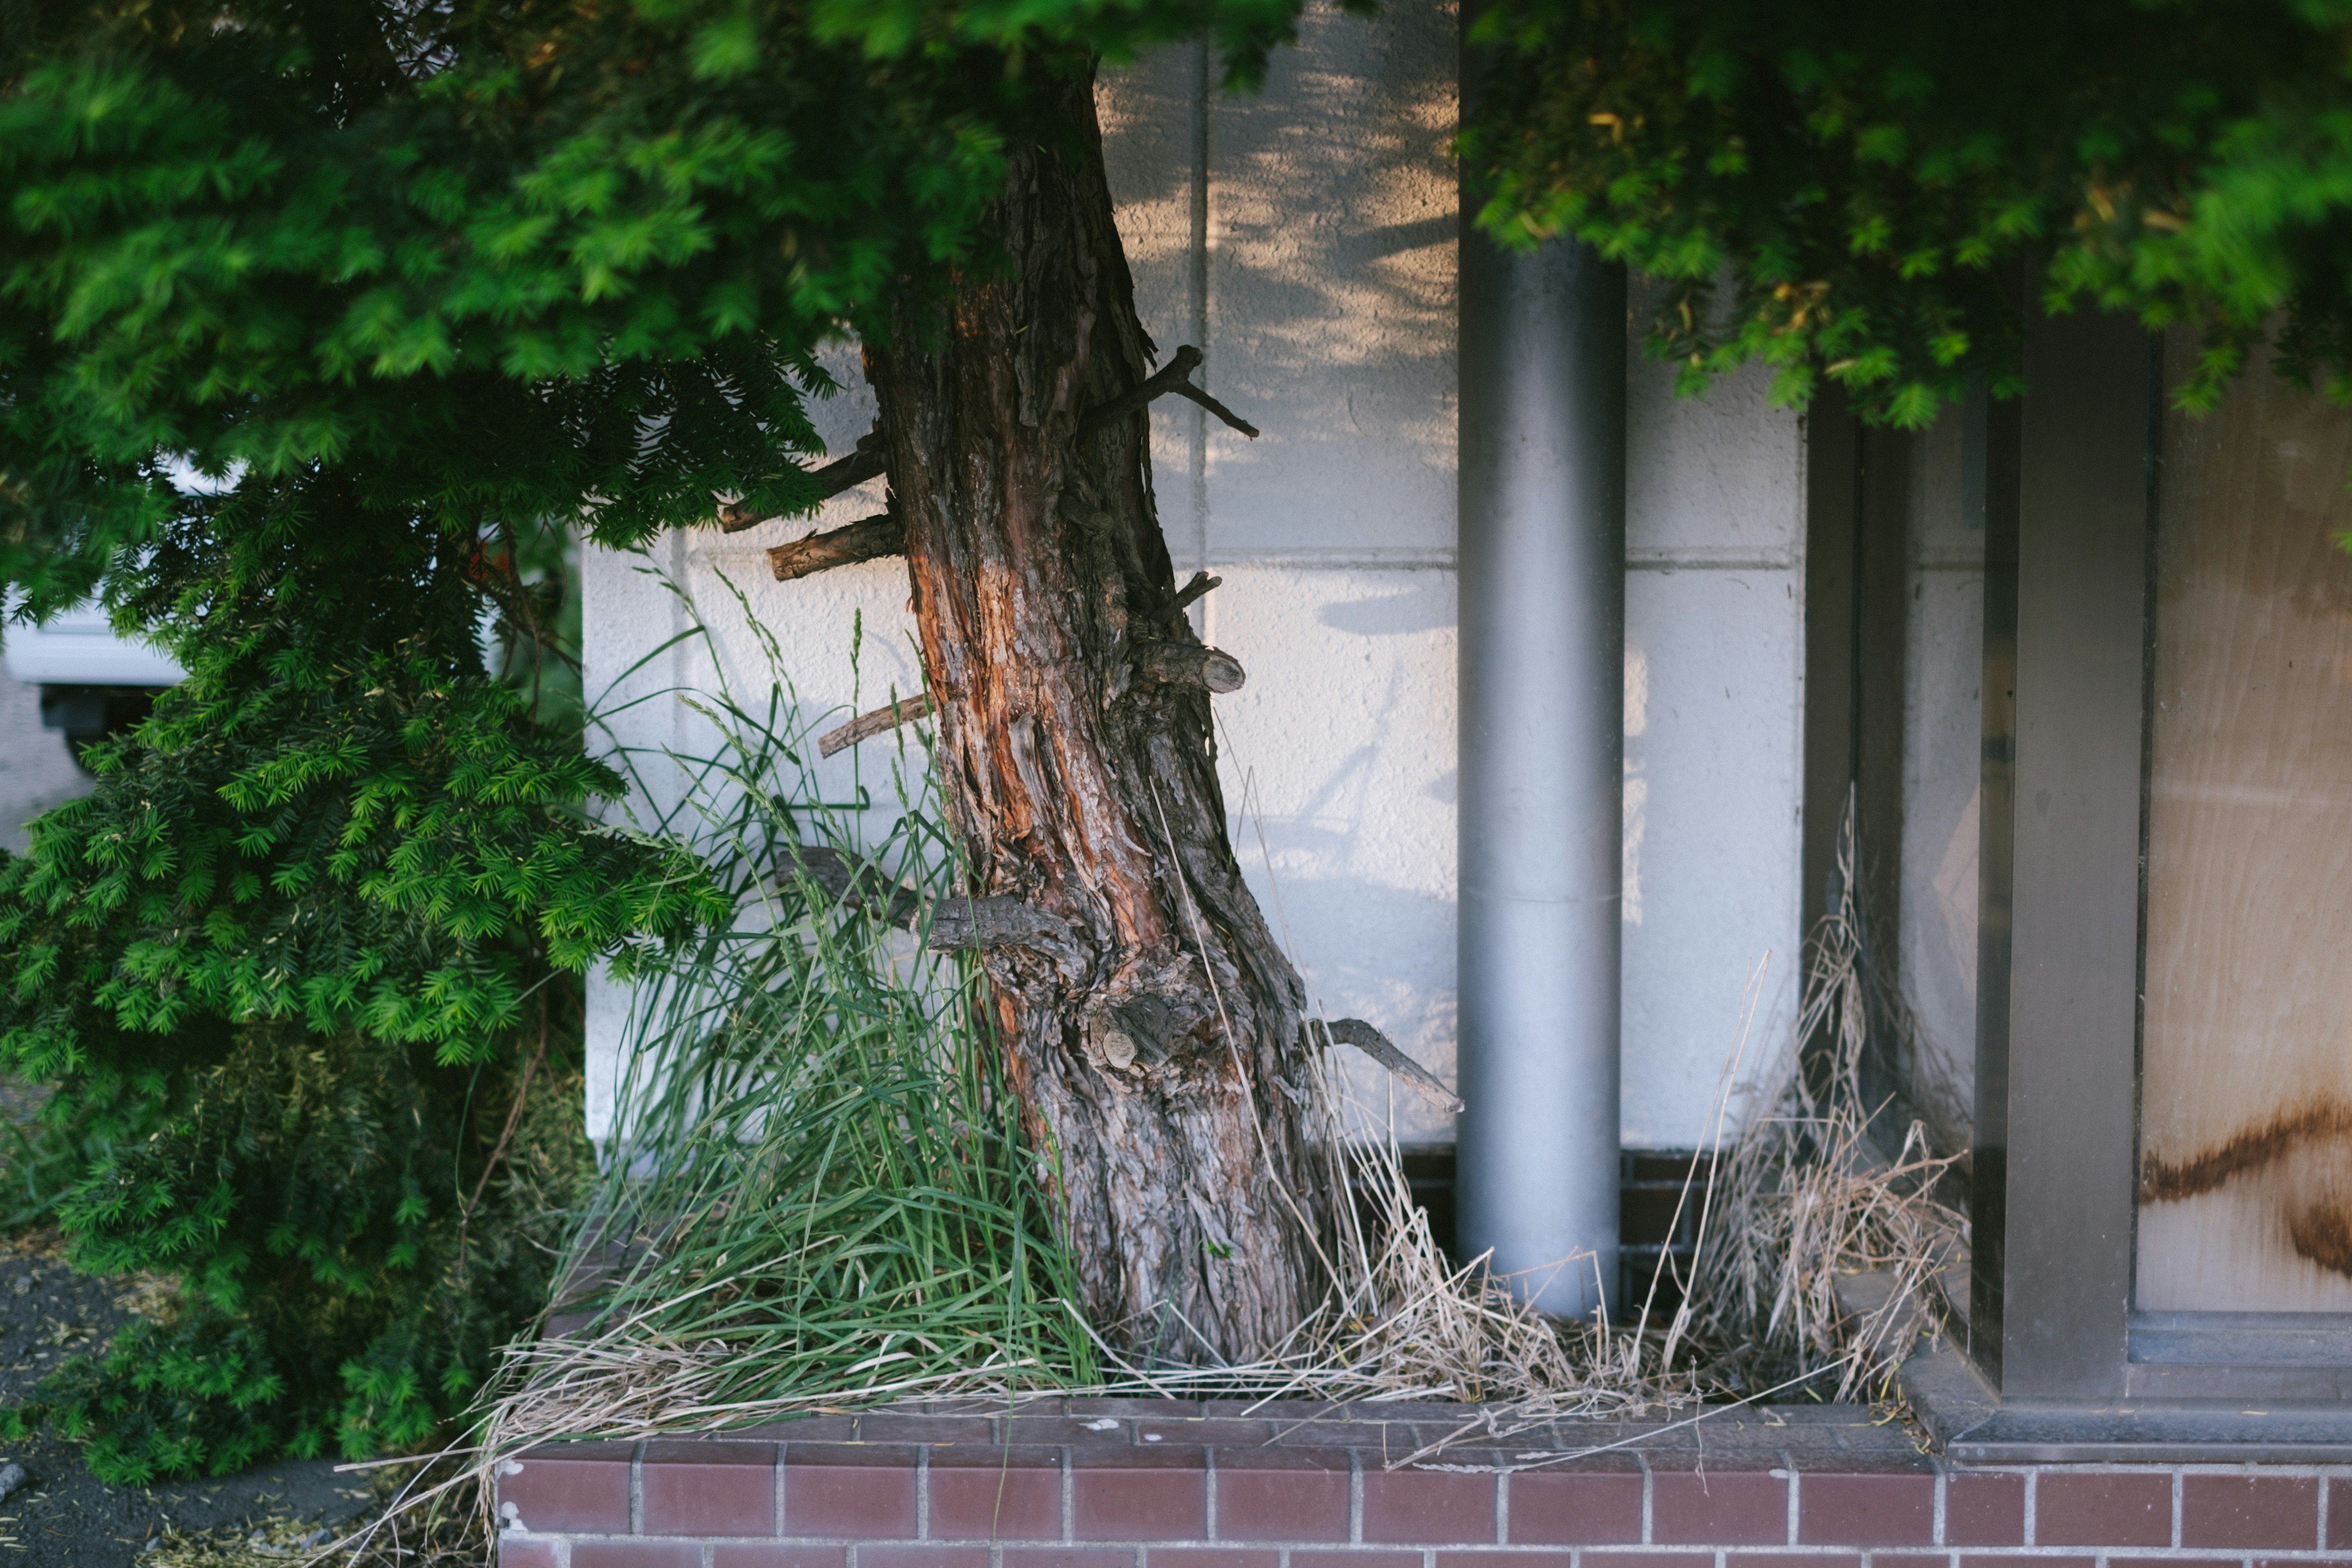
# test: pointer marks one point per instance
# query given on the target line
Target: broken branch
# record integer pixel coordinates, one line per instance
(1197, 588)
(1174, 377)
(864, 463)
(868, 539)
(1188, 664)
(1186, 389)
(956, 924)
(874, 724)
(861, 885)
(1381, 1049)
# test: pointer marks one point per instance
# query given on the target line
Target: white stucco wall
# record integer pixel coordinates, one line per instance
(1305, 239)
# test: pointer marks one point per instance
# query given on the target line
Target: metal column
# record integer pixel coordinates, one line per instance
(1542, 452)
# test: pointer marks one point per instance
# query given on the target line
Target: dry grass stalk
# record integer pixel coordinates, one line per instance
(1804, 1195)
(1798, 1197)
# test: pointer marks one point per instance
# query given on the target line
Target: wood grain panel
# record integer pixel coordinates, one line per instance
(2246, 1107)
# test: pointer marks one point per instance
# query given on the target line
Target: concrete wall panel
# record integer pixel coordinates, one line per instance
(1713, 775)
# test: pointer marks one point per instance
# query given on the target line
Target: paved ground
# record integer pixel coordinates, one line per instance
(64, 1517)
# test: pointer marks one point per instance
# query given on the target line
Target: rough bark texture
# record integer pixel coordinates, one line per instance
(1156, 1041)
(868, 539)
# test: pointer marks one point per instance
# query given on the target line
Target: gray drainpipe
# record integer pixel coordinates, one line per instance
(1542, 454)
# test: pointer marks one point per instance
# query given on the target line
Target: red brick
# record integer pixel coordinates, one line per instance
(2115, 1560)
(1087, 1432)
(764, 1555)
(1729, 1508)
(995, 1494)
(2111, 1509)
(1647, 1559)
(1984, 1509)
(709, 1489)
(849, 1489)
(1433, 1507)
(922, 1557)
(567, 1486)
(1793, 1560)
(1575, 1507)
(1065, 1557)
(1970, 1561)
(1130, 1409)
(1503, 1560)
(1354, 1559)
(515, 1553)
(1276, 1494)
(799, 1430)
(1866, 1510)
(1208, 1557)
(1910, 1559)
(2277, 1511)
(637, 1554)
(2339, 1516)
(1140, 1494)
(915, 1427)
(1199, 1432)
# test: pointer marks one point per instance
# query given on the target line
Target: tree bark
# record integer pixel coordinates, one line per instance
(1156, 1043)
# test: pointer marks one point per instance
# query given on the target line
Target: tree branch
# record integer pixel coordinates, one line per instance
(1174, 377)
(874, 724)
(859, 884)
(1197, 588)
(1186, 389)
(957, 924)
(962, 922)
(860, 465)
(868, 539)
(1372, 1043)
(1188, 664)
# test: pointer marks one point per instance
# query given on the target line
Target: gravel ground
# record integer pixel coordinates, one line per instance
(64, 1517)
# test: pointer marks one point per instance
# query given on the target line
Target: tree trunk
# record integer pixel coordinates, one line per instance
(1152, 1025)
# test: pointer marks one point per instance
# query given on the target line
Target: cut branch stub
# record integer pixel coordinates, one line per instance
(1381, 1049)
(868, 539)
(864, 463)
(1134, 1030)
(875, 723)
(957, 924)
(1188, 664)
(962, 923)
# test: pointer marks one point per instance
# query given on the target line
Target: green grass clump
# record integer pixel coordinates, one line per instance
(818, 1189)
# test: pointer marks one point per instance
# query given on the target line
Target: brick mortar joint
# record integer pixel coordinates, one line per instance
(2154, 1554)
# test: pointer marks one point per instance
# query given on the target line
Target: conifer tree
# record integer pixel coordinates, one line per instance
(399, 277)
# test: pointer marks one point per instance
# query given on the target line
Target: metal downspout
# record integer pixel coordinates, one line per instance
(1542, 455)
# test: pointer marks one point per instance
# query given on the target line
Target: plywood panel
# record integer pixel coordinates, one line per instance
(2246, 1109)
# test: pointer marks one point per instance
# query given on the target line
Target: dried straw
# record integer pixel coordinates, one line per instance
(744, 1280)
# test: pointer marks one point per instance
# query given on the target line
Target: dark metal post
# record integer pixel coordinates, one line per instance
(1542, 454)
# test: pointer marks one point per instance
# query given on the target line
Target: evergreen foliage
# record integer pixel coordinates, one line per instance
(316, 317)
(1882, 186)
(299, 962)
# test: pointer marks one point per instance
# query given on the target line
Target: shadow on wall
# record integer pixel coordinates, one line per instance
(1307, 233)
(1425, 606)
